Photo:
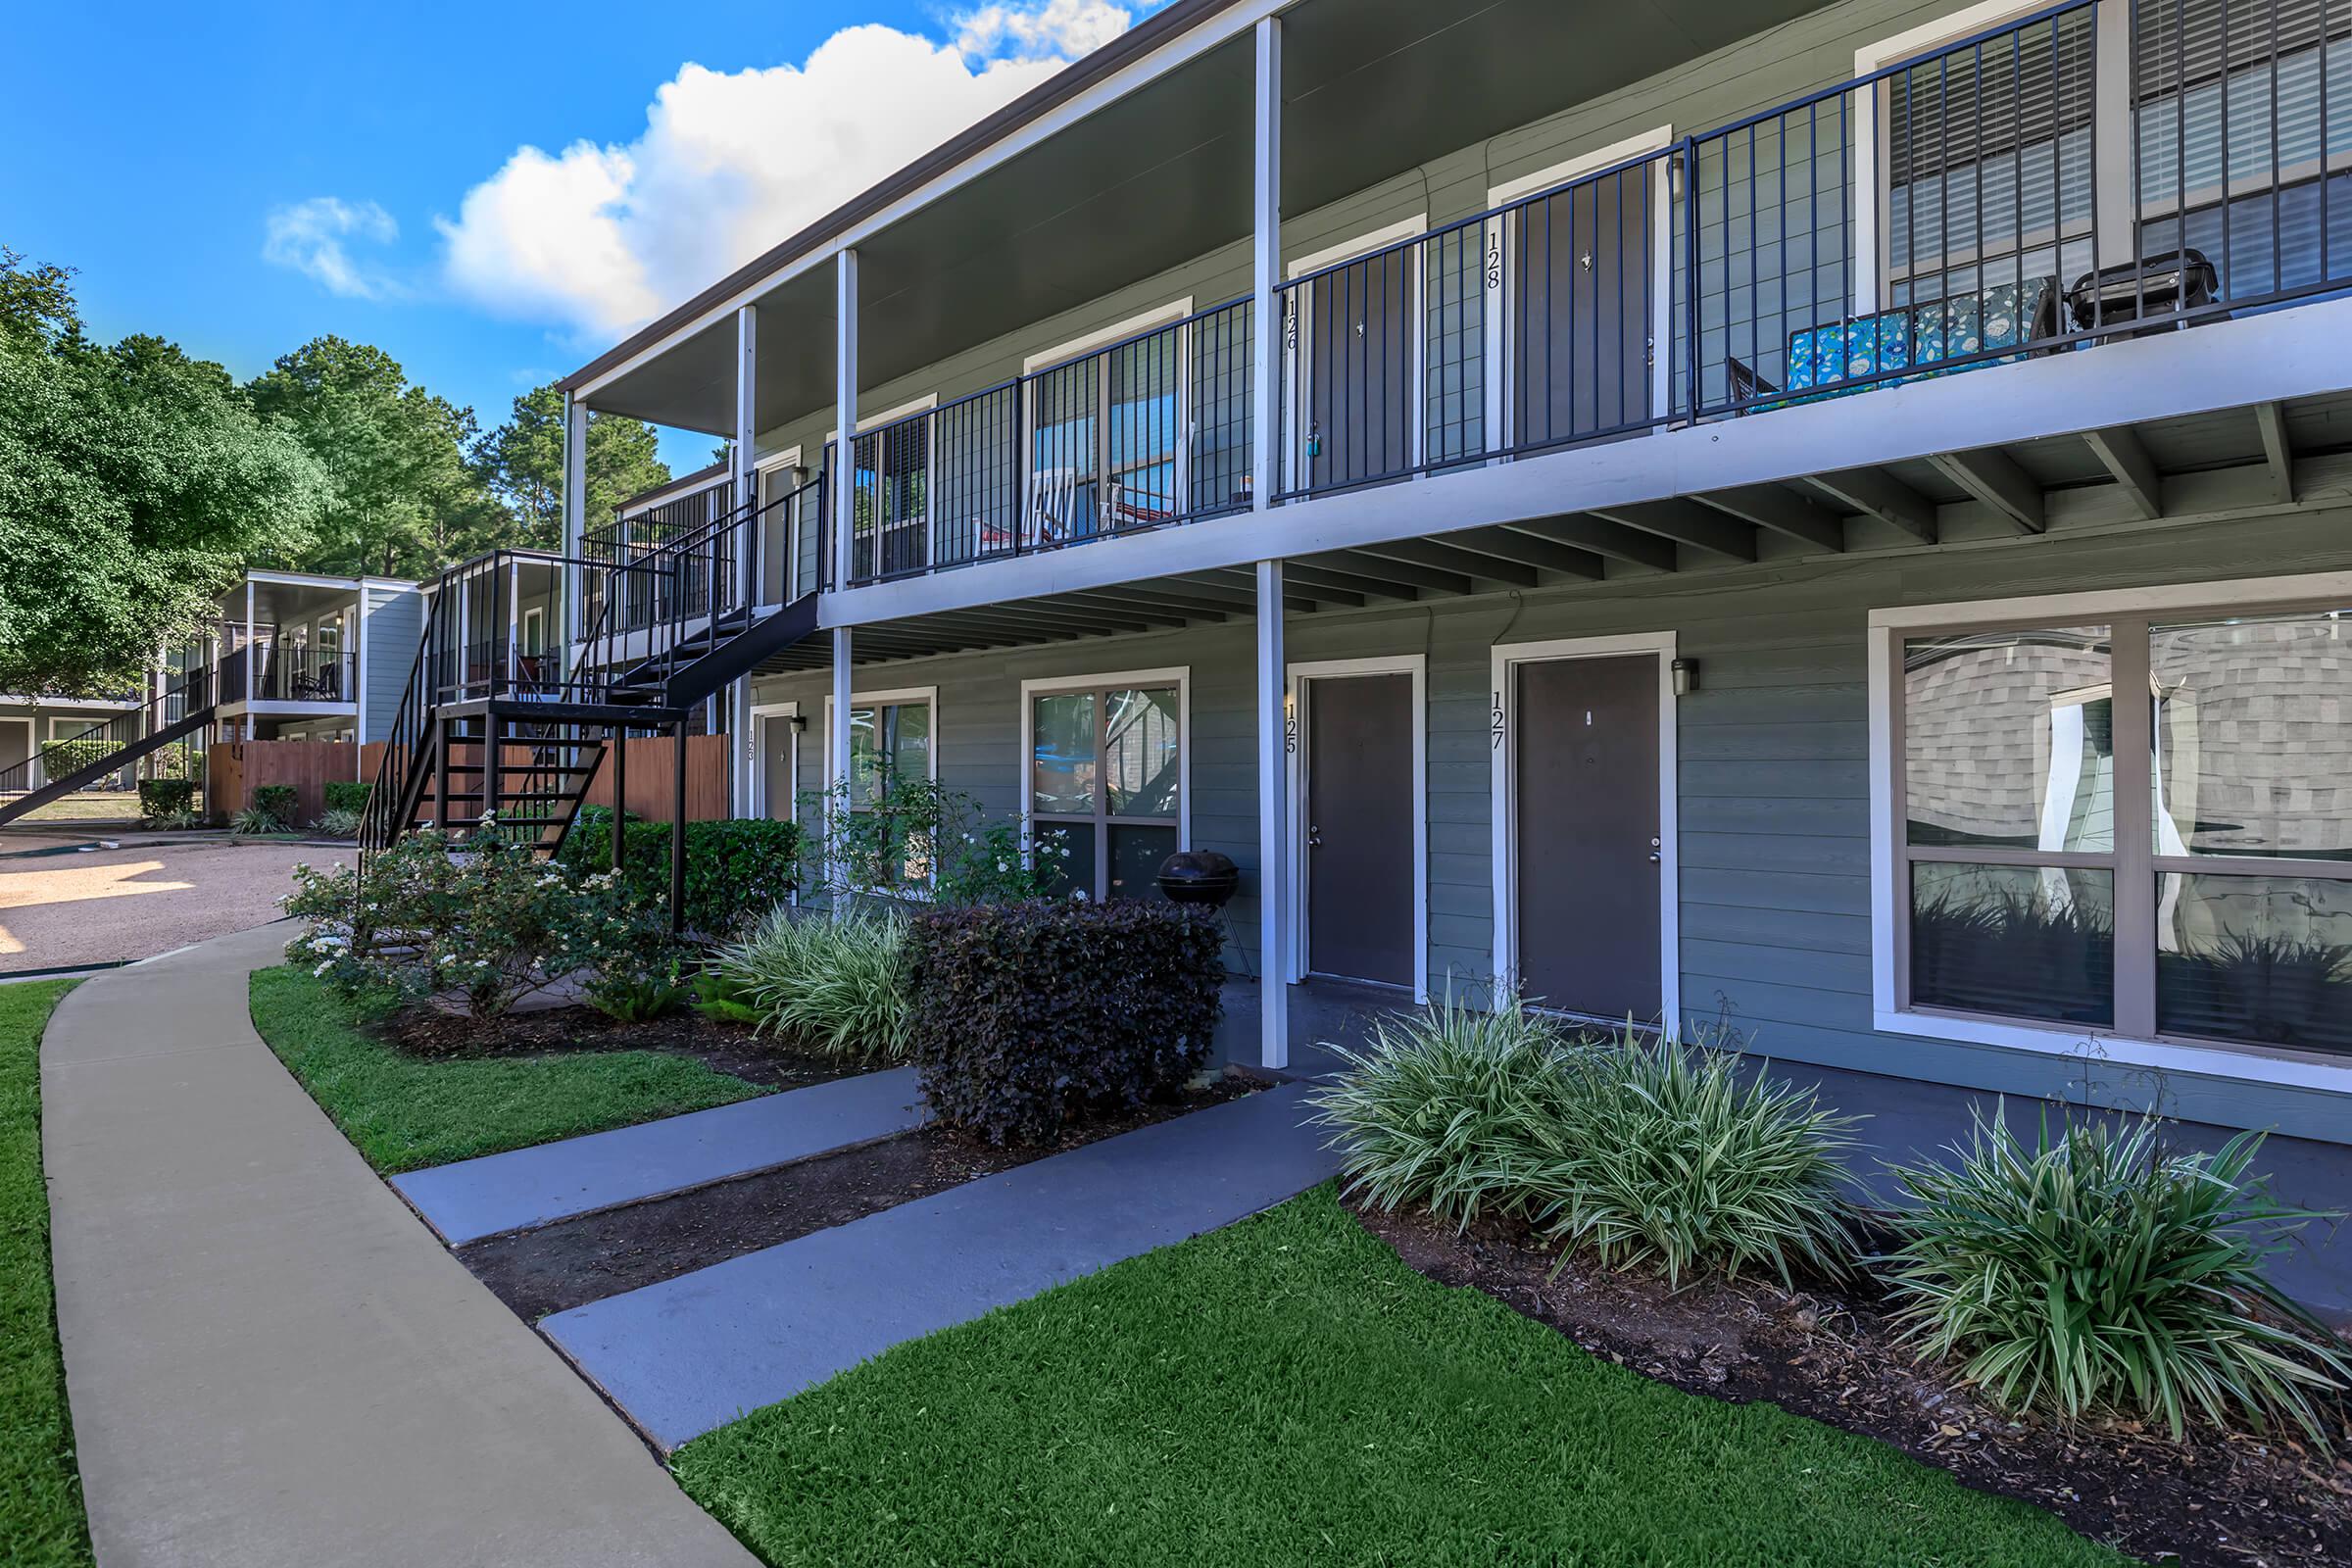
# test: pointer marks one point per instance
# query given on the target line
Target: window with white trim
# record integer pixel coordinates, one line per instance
(2176, 867)
(1106, 779)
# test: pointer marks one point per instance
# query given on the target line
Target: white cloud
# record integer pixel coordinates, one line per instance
(1059, 30)
(598, 239)
(309, 236)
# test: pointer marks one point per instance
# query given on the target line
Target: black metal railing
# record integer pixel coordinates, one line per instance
(184, 692)
(2008, 194)
(1150, 430)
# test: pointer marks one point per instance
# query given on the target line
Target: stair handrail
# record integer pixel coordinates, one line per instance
(17, 778)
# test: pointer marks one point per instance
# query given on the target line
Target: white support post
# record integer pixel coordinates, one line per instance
(1267, 237)
(514, 624)
(845, 417)
(836, 764)
(1273, 825)
(253, 676)
(751, 565)
(576, 515)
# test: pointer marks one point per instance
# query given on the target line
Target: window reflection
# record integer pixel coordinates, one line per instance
(2253, 736)
(2009, 738)
(2257, 958)
(2033, 942)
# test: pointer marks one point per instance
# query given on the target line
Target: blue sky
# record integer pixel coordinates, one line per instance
(154, 149)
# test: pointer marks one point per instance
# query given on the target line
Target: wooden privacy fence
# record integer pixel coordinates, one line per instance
(649, 769)
(234, 770)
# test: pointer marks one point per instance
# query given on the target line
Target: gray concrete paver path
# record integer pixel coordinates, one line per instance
(271, 1363)
(477, 1198)
(692, 1354)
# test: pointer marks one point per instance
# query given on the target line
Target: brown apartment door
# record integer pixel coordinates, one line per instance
(1360, 868)
(1355, 328)
(1586, 807)
(1581, 352)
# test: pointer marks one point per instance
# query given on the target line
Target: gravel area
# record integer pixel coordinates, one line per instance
(105, 905)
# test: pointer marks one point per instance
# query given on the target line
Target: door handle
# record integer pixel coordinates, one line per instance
(1314, 837)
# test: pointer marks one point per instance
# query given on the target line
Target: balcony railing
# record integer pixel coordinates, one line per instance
(272, 672)
(2010, 194)
(1152, 430)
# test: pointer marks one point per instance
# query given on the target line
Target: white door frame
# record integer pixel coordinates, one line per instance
(1502, 722)
(755, 796)
(1298, 696)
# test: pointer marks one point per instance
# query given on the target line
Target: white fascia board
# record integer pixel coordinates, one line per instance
(1176, 53)
(2224, 364)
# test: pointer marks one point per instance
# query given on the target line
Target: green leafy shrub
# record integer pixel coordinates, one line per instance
(61, 758)
(1454, 1108)
(1671, 1159)
(278, 802)
(722, 999)
(837, 987)
(254, 822)
(736, 870)
(337, 822)
(2096, 1273)
(1023, 1012)
(165, 797)
(174, 821)
(638, 980)
(923, 841)
(476, 918)
(347, 795)
(1648, 1151)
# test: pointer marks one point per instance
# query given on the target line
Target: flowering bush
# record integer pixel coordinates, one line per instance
(483, 920)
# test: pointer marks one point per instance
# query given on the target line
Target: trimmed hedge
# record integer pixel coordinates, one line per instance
(736, 870)
(61, 758)
(1025, 1013)
(278, 800)
(347, 793)
(166, 797)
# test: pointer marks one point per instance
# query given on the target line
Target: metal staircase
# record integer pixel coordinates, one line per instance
(180, 709)
(484, 726)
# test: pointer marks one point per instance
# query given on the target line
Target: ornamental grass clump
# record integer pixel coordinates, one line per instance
(2097, 1274)
(1457, 1108)
(837, 987)
(1671, 1156)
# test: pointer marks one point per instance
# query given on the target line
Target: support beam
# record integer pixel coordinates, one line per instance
(1296, 598)
(845, 414)
(2128, 463)
(745, 458)
(1265, 241)
(2269, 421)
(576, 515)
(620, 793)
(1527, 550)
(1784, 511)
(837, 753)
(1273, 824)
(1686, 522)
(1883, 496)
(1449, 558)
(1993, 477)
(1374, 579)
(1609, 540)
(1188, 607)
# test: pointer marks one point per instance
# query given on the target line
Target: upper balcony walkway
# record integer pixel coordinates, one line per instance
(1996, 200)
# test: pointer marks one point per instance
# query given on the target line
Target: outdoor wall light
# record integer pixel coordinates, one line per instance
(1686, 676)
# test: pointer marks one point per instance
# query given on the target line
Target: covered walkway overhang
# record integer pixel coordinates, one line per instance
(1133, 160)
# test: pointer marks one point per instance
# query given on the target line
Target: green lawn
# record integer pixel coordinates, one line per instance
(405, 1113)
(41, 1491)
(1288, 1392)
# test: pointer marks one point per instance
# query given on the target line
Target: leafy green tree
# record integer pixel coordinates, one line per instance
(403, 497)
(134, 484)
(523, 461)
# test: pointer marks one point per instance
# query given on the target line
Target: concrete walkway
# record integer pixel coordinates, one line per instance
(271, 1363)
(477, 1198)
(693, 1353)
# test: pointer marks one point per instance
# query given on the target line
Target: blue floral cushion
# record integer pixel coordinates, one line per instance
(1915, 337)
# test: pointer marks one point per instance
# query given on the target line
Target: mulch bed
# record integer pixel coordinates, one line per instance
(576, 1261)
(1830, 1356)
(729, 1047)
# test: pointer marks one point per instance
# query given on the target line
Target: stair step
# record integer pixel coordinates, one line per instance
(512, 768)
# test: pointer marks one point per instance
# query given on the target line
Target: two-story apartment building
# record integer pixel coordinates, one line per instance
(1653, 506)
